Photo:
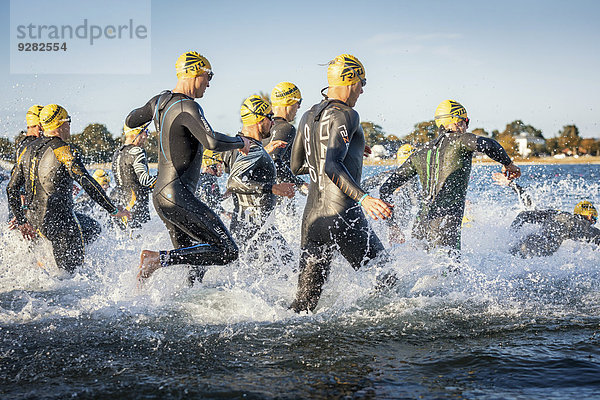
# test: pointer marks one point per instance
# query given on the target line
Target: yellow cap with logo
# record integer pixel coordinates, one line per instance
(404, 152)
(345, 70)
(101, 177)
(448, 112)
(210, 157)
(127, 131)
(53, 116)
(585, 208)
(192, 64)
(33, 115)
(285, 94)
(254, 109)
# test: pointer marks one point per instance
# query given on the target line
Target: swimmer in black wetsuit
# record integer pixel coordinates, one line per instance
(252, 180)
(132, 177)
(285, 100)
(34, 131)
(199, 236)
(444, 168)
(47, 169)
(329, 148)
(555, 226)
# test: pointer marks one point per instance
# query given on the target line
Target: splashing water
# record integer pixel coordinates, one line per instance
(500, 326)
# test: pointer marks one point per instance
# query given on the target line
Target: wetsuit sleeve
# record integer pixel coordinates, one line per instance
(531, 217)
(241, 173)
(398, 178)
(77, 171)
(194, 121)
(142, 115)
(487, 146)
(298, 164)
(341, 131)
(524, 197)
(593, 235)
(140, 167)
(13, 190)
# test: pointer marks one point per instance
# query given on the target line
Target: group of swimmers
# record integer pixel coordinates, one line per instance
(264, 161)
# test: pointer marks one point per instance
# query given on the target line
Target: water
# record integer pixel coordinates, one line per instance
(503, 328)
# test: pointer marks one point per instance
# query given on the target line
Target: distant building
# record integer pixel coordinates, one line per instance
(524, 140)
(378, 152)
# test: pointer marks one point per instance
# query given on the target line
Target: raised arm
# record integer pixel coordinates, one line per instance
(398, 178)
(140, 167)
(341, 131)
(78, 172)
(142, 115)
(193, 119)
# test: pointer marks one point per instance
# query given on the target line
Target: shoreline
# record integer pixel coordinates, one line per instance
(592, 160)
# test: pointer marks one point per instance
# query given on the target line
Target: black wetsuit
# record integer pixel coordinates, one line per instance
(47, 169)
(444, 168)
(133, 183)
(556, 227)
(283, 130)
(330, 147)
(251, 179)
(198, 234)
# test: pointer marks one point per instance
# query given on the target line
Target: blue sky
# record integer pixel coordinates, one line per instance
(532, 60)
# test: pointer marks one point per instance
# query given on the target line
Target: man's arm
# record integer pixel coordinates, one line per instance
(195, 122)
(398, 178)
(524, 197)
(140, 167)
(531, 217)
(341, 131)
(298, 164)
(78, 172)
(13, 192)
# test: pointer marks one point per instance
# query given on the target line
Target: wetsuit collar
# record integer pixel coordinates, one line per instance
(324, 104)
(279, 118)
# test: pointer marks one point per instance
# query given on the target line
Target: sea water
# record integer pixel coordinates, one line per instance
(498, 328)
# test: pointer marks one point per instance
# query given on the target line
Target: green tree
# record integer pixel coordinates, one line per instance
(480, 132)
(517, 127)
(507, 141)
(568, 138)
(374, 133)
(7, 149)
(96, 143)
(422, 133)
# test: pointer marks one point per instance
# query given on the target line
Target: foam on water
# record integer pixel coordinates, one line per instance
(490, 286)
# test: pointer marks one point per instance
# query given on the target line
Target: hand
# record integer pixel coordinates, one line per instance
(395, 235)
(28, 231)
(284, 189)
(122, 212)
(511, 171)
(12, 224)
(246, 149)
(274, 144)
(377, 208)
(500, 179)
(367, 151)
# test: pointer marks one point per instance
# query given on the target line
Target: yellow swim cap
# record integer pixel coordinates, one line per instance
(192, 64)
(285, 94)
(53, 116)
(127, 131)
(585, 208)
(345, 70)
(210, 157)
(449, 112)
(33, 115)
(254, 109)
(404, 152)
(101, 177)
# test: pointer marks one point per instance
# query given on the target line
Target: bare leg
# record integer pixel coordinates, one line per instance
(149, 262)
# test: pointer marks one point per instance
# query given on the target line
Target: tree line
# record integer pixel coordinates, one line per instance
(97, 144)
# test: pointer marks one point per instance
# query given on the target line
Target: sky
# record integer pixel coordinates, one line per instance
(536, 61)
